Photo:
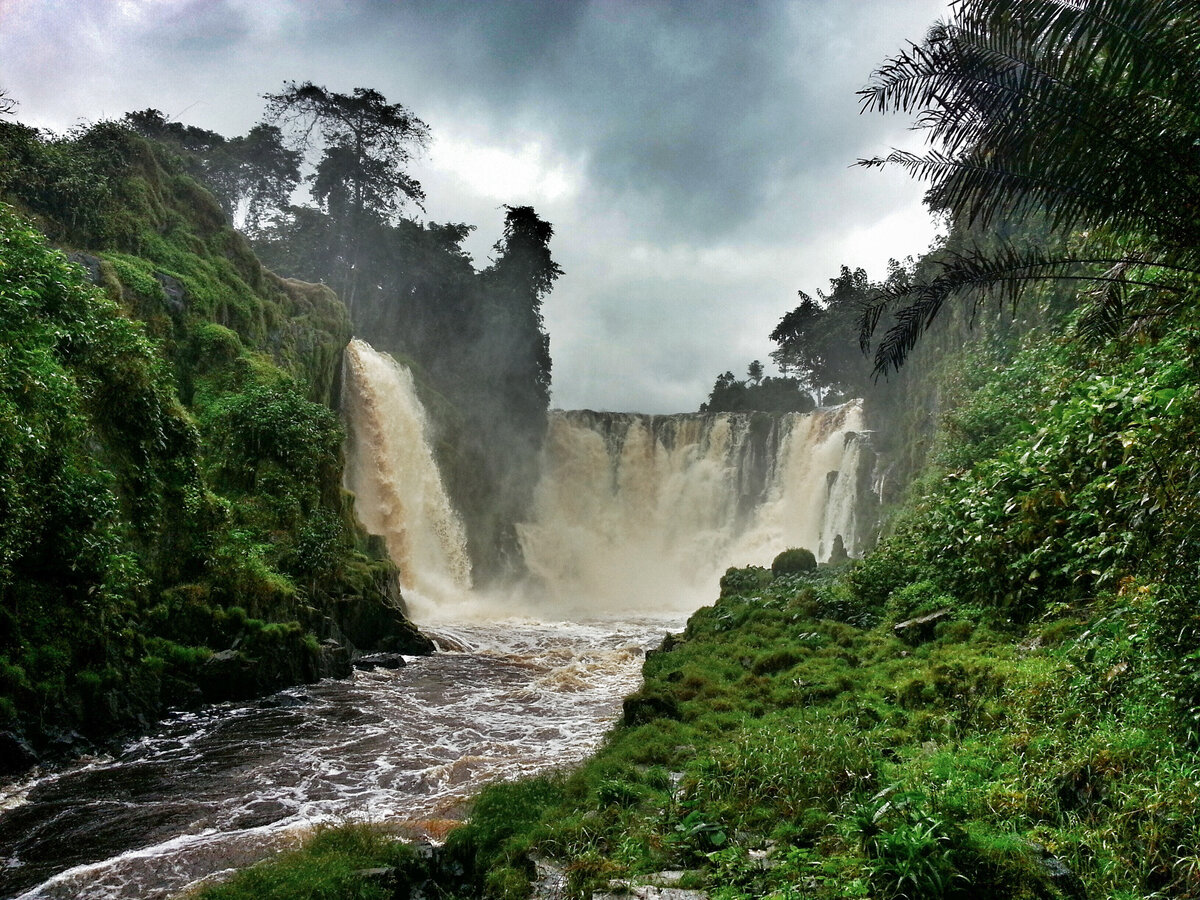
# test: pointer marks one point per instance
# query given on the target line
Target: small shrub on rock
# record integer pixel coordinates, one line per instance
(795, 561)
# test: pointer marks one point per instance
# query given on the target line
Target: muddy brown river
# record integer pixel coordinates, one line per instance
(224, 787)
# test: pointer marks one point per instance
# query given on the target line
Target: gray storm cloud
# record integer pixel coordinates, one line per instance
(707, 144)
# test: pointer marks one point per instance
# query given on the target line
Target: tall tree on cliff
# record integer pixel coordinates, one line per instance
(1084, 111)
(360, 181)
(509, 359)
(514, 286)
(816, 339)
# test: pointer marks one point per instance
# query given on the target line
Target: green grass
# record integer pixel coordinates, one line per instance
(335, 864)
(857, 764)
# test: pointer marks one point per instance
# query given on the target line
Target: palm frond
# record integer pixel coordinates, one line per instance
(1083, 112)
(1001, 276)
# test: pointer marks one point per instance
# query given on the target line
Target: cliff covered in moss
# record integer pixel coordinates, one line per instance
(173, 528)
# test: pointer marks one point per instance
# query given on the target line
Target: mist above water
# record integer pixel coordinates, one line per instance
(639, 512)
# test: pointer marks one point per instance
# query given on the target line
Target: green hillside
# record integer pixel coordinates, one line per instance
(172, 524)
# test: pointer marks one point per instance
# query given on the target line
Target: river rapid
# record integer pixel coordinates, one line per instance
(224, 787)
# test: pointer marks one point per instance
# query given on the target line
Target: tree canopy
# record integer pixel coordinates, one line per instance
(816, 339)
(365, 143)
(1083, 112)
(253, 176)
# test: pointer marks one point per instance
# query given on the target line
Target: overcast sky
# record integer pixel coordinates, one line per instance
(695, 158)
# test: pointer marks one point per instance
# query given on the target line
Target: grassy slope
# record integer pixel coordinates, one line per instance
(1046, 724)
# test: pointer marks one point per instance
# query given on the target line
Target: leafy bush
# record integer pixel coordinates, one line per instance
(744, 581)
(794, 561)
(335, 862)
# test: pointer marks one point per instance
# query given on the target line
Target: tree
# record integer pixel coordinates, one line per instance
(365, 143)
(252, 177)
(817, 339)
(755, 372)
(771, 395)
(521, 276)
(268, 173)
(1084, 111)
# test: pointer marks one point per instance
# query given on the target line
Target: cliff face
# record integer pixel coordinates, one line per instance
(172, 523)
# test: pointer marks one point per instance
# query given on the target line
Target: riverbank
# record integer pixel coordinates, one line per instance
(793, 741)
(209, 792)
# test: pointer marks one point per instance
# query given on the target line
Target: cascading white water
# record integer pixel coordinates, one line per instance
(390, 468)
(813, 494)
(841, 513)
(636, 512)
(632, 513)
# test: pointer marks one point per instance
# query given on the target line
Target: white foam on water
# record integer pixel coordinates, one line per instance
(397, 747)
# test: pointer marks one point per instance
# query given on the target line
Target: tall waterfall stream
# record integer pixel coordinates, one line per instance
(633, 513)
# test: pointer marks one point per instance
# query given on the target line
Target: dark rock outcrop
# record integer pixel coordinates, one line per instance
(920, 629)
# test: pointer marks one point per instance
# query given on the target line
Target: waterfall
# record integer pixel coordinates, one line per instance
(635, 509)
(632, 513)
(390, 468)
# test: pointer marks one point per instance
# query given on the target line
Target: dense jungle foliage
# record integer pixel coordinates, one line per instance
(1002, 700)
(172, 524)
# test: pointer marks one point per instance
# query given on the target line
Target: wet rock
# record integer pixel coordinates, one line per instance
(15, 753)
(67, 745)
(229, 675)
(374, 622)
(666, 878)
(379, 661)
(1059, 874)
(284, 701)
(669, 643)
(549, 883)
(174, 291)
(623, 890)
(920, 629)
(334, 660)
(91, 264)
(259, 814)
(838, 554)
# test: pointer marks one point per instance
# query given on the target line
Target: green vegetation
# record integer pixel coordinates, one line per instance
(793, 742)
(1081, 113)
(170, 473)
(757, 394)
(1002, 699)
(795, 561)
(475, 339)
(354, 862)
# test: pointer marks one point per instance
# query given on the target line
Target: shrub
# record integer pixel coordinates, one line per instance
(744, 581)
(336, 862)
(793, 561)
